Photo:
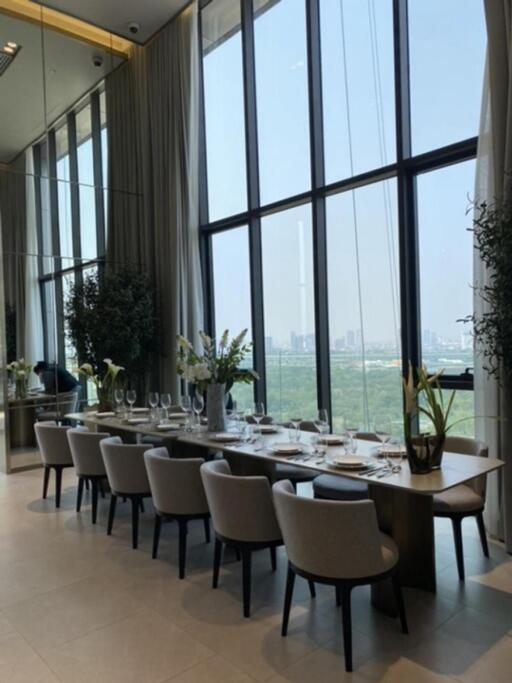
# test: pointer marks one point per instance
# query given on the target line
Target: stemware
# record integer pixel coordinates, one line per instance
(165, 402)
(119, 399)
(322, 421)
(296, 422)
(153, 399)
(258, 413)
(198, 407)
(186, 405)
(131, 397)
(352, 429)
(382, 430)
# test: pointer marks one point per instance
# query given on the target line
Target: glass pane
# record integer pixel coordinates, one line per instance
(282, 99)
(364, 310)
(446, 265)
(224, 108)
(358, 86)
(232, 291)
(87, 199)
(447, 51)
(64, 208)
(288, 290)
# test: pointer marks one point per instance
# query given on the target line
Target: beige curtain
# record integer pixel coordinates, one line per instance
(152, 105)
(494, 164)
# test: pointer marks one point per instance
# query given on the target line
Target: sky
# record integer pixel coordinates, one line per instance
(447, 48)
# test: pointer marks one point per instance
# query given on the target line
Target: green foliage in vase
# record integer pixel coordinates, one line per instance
(113, 315)
(492, 227)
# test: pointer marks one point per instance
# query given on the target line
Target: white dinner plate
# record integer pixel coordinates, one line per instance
(288, 448)
(392, 450)
(226, 437)
(332, 440)
(351, 462)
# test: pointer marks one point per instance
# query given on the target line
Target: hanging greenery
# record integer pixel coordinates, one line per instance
(492, 227)
(113, 315)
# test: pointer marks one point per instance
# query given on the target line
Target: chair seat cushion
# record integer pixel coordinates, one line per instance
(460, 498)
(294, 474)
(389, 551)
(332, 487)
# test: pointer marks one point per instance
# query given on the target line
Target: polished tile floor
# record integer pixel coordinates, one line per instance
(78, 606)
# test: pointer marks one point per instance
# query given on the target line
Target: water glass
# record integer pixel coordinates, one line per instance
(131, 397)
(119, 399)
(296, 422)
(153, 399)
(165, 402)
(186, 405)
(258, 413)
(198, 407)
(322, 421)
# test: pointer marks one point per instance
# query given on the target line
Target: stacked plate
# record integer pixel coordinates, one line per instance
(332, 440)
(287, 448)
(350, 462)
(268, 429)
(225, 437)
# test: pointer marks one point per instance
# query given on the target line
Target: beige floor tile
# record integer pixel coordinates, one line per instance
(66, 613)
(213, 670)
(142, 648)
(493, 666)
(19, 663)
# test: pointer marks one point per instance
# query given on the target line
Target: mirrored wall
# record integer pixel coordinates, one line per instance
(56, 202)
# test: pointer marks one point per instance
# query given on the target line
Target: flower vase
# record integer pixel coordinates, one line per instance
(105, 398)
(21, 387)
(215, 407)
(425, 453)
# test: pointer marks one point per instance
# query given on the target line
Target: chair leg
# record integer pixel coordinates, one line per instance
(399, 598)
(457, 537)
(312, 589)
(347, 625)
(86, 484)
(135, 522)
(206, 522)
(58, 485)
(290, 582)
(237, 553)
(94, 487)
(182, 555)
(156, 535)
(101, 488)
(46, 480)
(111, 514)
(273, 559)
(246, 580)
(481, 531)
(338, 597)
(217, 557)
(141, 504)
(79, 493)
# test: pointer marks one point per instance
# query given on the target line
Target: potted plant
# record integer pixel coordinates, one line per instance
(425, 397)
(105, 385)
(20, 370)
(214, 370)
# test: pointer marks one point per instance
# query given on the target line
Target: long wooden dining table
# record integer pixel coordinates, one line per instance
(404, 501)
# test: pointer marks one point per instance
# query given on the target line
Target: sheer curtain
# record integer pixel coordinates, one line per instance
(152, 105)
(494, 163)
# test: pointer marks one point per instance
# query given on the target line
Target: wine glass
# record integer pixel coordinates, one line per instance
(258, 412)
(165, 402)
(186, 405)
(153, 400)
(352, 428)
(296, 422)
(131, 397)
(119, 399)
(322, 421)
(382, 430)
(198, 407)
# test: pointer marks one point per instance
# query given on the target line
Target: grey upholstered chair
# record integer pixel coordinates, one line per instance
(335, 487)
(335, 543)
(67, 402)
(243, 517)
(89, 466)
(55, 454)
(178, 495)
(465, 500)
(127, 477)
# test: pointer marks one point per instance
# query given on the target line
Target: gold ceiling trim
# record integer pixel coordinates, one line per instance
(76, 28)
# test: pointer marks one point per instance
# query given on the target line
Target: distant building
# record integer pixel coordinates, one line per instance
(269, 345)
(309, 342)
(351, 339)
(340, 344)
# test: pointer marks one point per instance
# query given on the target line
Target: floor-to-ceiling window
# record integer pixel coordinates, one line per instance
(70, 166)
(338, 162)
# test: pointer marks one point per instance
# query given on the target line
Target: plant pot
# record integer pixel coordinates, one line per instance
(21, 387)
(215, 407)
(105, 398)
(425, 453)
(436, 450)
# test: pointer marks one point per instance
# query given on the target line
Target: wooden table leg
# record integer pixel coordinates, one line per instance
(408, 518)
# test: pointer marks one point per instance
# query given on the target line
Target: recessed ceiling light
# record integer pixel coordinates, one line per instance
(11, 44)
(9, 49)
(7, 53)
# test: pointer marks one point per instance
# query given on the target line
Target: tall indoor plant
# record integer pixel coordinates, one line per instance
(214, 369)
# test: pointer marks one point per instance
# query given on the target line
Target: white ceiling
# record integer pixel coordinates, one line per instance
(66, 64)
(115, 15)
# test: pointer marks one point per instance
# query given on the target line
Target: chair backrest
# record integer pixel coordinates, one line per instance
(53, 443)
(125, 467)
(86, 452)
(241, 507)
(176, 484)
(467, 446)
(265, 420)
(305, 426)
(332, 539)
(367, 436)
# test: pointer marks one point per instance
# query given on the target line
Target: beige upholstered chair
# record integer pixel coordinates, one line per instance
(336, 543)
(334, 487)
(465, 500)
(178, 495)
(55, 454)
(89, 466)
(243, 517)
(127, 477)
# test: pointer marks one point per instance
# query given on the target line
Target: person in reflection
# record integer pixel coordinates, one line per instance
(56, 380)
